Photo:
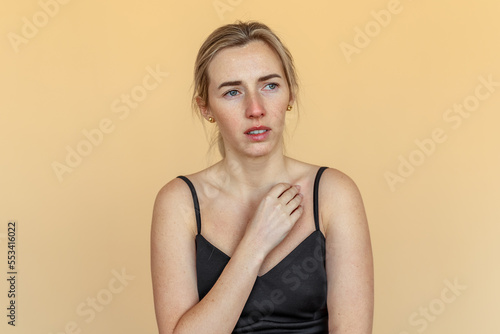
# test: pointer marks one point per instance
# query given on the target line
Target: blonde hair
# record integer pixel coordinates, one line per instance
(234, 35)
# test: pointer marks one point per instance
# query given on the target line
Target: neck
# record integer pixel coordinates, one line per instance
(250, 177)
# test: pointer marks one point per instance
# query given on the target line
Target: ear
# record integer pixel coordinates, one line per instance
(292, 100)
(202, 105)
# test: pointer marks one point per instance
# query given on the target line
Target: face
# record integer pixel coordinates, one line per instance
(248, 96)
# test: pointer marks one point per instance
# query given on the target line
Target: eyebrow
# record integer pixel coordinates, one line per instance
(239, 82)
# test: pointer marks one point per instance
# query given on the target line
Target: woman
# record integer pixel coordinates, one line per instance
(256, 243)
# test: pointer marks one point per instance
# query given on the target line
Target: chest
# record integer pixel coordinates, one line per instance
(224, 222)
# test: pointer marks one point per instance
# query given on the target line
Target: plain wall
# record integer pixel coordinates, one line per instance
(393, 93)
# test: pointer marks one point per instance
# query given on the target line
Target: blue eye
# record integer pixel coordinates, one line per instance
(232, 93)
(272, 86)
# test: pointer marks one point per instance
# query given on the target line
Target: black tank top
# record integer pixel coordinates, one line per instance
(289, 298)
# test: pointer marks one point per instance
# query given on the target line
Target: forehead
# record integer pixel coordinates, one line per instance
(247, 62)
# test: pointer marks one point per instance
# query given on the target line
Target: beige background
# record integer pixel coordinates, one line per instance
(360, 113)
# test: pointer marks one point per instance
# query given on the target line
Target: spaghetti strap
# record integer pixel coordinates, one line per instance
(195, 201)
(315, 198)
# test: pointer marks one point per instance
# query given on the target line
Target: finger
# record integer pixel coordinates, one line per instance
(289, 194)
(278, 189)
(295, 202)
(295, 215)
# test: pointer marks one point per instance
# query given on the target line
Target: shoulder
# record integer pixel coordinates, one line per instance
(174, 202)
(174, 192)
(337, 185)
(340, 199)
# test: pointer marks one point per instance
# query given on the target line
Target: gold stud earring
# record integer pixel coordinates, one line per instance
(211, 120)
(289, 108)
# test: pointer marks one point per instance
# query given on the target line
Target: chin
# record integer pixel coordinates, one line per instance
(260, 151)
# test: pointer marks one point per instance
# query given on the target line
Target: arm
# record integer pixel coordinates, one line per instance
(349, 261)
(173, 260)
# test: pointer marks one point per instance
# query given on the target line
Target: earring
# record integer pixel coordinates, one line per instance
(211, 120)
(289, 108)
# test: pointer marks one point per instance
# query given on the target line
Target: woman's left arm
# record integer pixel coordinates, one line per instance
(349, 261)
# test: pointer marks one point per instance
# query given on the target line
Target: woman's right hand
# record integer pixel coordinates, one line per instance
(173, 259)
(275, 216)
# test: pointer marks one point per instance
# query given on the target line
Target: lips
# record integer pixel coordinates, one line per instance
(258, 134)
(257, 130)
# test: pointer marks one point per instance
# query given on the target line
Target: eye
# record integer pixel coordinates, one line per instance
(272, 86)
(231, 93)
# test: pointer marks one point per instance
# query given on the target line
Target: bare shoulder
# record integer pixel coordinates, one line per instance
(340, 200)
(174, 189)
(338, 185)
(174, 201)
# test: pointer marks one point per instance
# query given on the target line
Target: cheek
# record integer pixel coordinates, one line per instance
(280, 106)
(279, 115)
(228, 124)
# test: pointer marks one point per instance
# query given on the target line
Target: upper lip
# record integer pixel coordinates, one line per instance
(257, 128)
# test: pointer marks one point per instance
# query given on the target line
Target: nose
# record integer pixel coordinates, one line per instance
(254, 106)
